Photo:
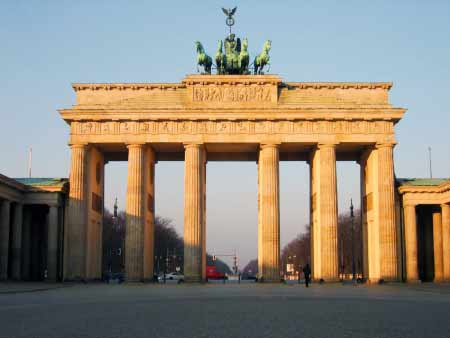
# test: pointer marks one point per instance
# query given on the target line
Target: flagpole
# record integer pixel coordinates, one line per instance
(30, 160)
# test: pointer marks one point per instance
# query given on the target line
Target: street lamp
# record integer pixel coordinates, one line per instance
(352, 216)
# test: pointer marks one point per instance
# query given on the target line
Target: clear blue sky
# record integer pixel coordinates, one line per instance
(47, 45)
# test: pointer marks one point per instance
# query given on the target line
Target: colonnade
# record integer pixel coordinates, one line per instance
(20, 251)
(381, 250)
(440, 228)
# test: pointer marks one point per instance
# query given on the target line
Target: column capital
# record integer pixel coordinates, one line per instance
(265, 145)
(445, 205)
(388, 144)
(409, 204)
(135, 145)
(193, 145)
(78, 145)
(323, 145)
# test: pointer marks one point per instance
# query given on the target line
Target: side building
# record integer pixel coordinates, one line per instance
(32, 215)
(423, 216)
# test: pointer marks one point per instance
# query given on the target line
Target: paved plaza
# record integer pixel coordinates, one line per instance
(231, 310)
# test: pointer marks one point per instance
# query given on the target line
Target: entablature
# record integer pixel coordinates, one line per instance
(51, 198)
(416, 194)
(233, 97)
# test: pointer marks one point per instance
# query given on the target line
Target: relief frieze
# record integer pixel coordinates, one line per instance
(231, 127)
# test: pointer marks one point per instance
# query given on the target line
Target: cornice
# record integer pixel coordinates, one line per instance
(122, 86)
(23, 189)
(338, 85)
(271, 114)
(231, 80)
(48, 188)
(444, 187)
(12, 183)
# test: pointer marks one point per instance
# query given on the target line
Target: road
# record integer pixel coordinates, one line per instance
(230, 310)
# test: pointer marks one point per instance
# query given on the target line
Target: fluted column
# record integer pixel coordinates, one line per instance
(386, 212)
(16, 243)
(324, 201)
(204, 262)
(437, 246)
(77, 222)
(269, 195)
(149, 213)
(194, 213)
(445, 210)
(328, 205)
(412, 274)
(134, 232)
(52, 243)
(365, 234)
(4, 238)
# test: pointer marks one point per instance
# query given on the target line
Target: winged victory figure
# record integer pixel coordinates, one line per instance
(229, 12)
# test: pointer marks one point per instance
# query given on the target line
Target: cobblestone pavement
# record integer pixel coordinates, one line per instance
(230, 310)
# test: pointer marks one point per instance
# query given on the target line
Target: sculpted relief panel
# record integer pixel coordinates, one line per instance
(232, 91)
(231, 127)
(232, 94)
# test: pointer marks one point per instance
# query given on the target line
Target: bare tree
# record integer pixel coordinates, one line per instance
(168, 245)
(345, 242)
(298, 251)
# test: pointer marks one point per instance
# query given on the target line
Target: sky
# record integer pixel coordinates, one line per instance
(47, 45)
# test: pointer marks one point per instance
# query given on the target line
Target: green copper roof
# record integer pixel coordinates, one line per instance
(42, 181)
(422, 181)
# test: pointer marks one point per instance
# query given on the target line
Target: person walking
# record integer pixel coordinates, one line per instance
(307, 273)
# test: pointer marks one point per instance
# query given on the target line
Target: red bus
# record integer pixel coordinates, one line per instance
(212, 273)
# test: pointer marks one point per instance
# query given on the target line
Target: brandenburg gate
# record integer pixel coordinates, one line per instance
(232, 118)
(51, 230)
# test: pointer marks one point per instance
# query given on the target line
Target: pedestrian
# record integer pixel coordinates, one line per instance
(307, 273)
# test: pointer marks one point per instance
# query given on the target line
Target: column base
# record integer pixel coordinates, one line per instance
(75, 280)
(326, 280)
(371, 281)
(439, 280)
(193, 279)
(271, 281)
(413, 281)
(133, 280)
(381, 281)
